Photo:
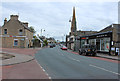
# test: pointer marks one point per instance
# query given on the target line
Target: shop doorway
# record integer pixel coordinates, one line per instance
(98, 44)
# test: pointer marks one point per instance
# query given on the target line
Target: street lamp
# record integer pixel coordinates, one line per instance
(42, 30)
(47, 35)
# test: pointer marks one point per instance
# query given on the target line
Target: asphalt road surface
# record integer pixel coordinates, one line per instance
(59, 64)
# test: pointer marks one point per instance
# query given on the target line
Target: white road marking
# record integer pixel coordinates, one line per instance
(49, 77)
(78, 60)
(74, 59)
(43, 69)
(104, 69)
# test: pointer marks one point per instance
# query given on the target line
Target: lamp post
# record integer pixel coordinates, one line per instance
(42, 30)
(47, 35)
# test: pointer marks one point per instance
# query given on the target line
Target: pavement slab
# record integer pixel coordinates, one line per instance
(24, 66)
(29, 70)
(17, 59)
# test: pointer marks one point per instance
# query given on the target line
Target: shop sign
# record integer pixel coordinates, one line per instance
(113, 49)
(102, 36)
(83, 38)
(112, 42)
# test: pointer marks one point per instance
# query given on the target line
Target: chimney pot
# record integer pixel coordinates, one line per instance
(25, 23)
(5, 21)
(14, 17)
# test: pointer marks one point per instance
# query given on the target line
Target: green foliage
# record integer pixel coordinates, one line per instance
(45, 42)
(32, 29)
(35, 36)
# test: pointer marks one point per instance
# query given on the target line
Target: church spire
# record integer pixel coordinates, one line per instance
(73, 12)
(73, 23)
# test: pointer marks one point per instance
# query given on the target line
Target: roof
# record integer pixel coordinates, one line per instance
(107, 28)
(97, 34)
(24, 26)
(21, 24)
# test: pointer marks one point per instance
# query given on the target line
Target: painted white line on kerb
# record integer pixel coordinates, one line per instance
(49, 77)
(104, 69)
(43, 69)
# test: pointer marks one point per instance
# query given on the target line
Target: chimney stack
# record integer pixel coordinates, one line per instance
(14, 17)
(25, 23)
(5, 21)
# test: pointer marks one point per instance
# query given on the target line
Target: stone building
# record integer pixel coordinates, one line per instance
(106, 40)
(71, 39)
(16, 34)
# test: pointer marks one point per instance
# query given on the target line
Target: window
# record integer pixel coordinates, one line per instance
(20, 32)
(15, 42)
(105, 44)
(5, 31)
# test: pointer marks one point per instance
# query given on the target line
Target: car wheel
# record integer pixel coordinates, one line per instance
(94, 55)
(86, 54)
(80, 53)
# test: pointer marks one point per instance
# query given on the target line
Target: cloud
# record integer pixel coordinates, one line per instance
(54, 16)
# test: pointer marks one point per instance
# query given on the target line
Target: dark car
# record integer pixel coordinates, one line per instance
(88, 50)
(51, 45)
(54, 45)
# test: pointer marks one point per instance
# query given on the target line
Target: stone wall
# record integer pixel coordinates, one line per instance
(29, 36)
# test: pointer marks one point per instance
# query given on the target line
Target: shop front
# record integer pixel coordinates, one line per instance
(101, 40)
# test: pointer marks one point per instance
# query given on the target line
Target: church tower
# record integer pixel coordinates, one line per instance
(73, 23)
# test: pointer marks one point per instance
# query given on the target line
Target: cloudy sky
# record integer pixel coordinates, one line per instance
(54, 16)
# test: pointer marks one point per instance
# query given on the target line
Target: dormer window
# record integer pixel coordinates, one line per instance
(5, 31)
(20, 32)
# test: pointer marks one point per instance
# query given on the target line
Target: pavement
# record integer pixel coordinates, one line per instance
(17, 59)
(23, 65)
(102, 55)
(108, 56)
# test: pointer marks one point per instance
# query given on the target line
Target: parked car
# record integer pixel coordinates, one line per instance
(54, 45)
(61, 46)
(64, 48)
(88, 50)
(51, 45)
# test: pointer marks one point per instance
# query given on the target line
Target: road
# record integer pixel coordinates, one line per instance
(59, 64)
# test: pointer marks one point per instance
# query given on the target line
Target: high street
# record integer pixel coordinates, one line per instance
(59, 64)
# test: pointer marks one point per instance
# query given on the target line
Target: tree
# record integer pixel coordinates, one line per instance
(32, 29)
(45, 42)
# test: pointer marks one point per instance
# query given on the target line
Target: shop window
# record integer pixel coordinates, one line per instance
(83, 42)
(5, 31)
(92, 41)
(15, 42)
(20, 32)
(105, 44)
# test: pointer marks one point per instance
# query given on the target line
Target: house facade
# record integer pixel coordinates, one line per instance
(16, 34)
